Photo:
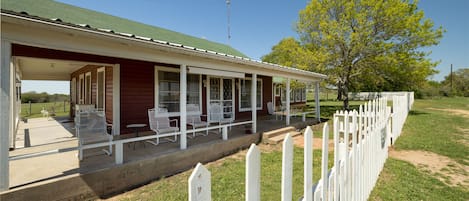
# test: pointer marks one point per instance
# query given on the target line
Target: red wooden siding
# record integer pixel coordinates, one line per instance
(137, 92)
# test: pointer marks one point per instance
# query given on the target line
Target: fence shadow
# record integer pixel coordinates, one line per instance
(417, 112)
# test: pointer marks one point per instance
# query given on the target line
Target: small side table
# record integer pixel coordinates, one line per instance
(136, 127)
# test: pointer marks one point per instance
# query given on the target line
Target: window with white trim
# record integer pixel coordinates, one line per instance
(278, 90)
(245, 94)
(169, 89)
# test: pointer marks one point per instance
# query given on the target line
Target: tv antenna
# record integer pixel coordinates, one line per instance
(228, 3)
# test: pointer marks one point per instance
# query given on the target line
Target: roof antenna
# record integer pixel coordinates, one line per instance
(228, 3)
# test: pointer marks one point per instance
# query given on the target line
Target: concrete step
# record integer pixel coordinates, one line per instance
(279, 138)
(280, 131)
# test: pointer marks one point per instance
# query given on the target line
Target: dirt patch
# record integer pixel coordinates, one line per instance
(464, 136)
(464, 113)
(445, 169)
(317, 143)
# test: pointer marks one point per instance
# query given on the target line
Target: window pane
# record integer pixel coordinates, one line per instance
(169, 88)
(246, 94)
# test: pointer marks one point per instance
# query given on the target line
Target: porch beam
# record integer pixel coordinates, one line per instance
(287, 104)
(253, 102)
(5, 120)
(316, 98)
(182, 105)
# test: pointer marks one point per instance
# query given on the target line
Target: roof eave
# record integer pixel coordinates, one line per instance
(167, 46)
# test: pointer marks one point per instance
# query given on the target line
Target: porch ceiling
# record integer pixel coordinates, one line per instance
(47, 69)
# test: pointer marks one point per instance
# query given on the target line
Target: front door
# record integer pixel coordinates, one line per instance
(221, 91)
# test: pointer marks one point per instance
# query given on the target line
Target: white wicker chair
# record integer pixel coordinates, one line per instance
(161, 124)
(194, 118)
(91, 127)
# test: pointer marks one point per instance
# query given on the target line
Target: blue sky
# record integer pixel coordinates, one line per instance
(258, 25)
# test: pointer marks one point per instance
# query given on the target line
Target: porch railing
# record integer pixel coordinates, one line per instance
(119, 150)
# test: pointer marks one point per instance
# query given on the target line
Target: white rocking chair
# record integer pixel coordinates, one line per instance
(161, 125)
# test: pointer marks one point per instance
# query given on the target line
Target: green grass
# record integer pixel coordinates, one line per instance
(37, 107)
(401, 180)
(435, 130)
(228, 179)
(429, 130)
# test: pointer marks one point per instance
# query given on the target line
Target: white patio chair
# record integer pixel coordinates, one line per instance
(161, 124)
(194, 118)
(91, 128)
(217, 116)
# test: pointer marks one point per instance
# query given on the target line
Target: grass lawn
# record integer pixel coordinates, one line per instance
(228, 178)
(436, 126)
(37, 107)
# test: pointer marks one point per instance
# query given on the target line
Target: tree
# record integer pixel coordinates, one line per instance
(365, 44)
(460, 83)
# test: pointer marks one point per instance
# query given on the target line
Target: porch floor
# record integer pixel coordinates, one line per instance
(57, 135)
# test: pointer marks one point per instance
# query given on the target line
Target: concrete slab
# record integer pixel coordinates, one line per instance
(44, 131)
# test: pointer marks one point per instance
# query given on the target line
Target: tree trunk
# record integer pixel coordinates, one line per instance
(345, 95)
(339, 91)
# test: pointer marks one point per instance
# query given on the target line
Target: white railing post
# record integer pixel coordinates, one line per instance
(254, 102)
(119, 153)
(253, 174)
(200, 188)
(308, 164)
(182, 105)
(225, 133)
(5, 120)
(324, 162)
(287, 168)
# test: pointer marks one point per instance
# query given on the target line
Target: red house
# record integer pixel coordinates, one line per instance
(125, 68)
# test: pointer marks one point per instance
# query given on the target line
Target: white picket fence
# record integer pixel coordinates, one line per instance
(361, 140)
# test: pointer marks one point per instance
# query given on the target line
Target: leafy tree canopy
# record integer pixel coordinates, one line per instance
(362, 44)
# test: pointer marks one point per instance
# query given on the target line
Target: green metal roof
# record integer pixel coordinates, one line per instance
(71, 14)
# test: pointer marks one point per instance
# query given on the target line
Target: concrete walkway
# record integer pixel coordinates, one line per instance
(44, 131)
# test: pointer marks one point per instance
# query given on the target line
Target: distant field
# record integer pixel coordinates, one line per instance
(34, 110)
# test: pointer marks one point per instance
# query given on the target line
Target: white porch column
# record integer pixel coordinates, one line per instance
(287, 106)
(253, 102)
(316, 98)
(182, 106)
(5, 121)
(116, 100)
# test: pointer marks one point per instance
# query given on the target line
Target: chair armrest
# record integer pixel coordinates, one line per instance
(175, 121)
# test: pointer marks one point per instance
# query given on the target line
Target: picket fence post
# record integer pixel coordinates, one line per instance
(253, 174)
(308, 165)
(287, 168)
(200, 184)
(336, 157)
(325, 152)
